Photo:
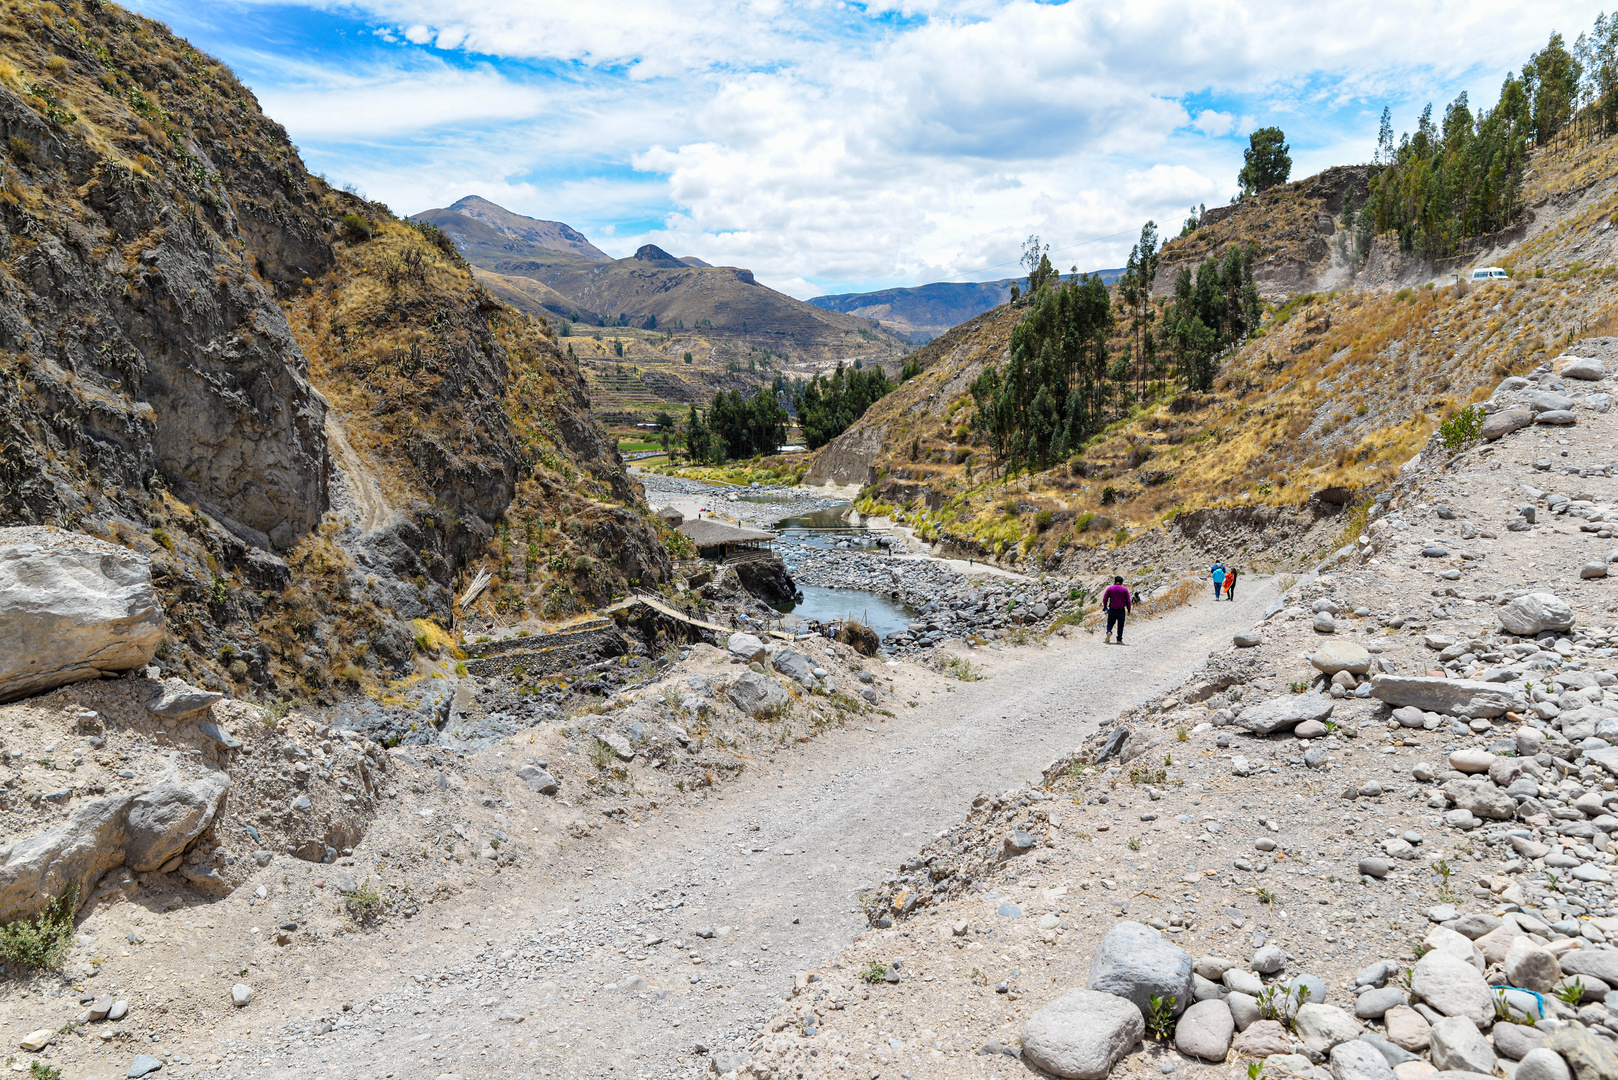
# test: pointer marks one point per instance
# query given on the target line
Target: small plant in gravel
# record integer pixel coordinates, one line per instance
(962, 669)
(1160, 1017)
(1265, 896)
(1572, 993)
(38, 1070)
(1298, 686)
(1134, 843)
(1255, 1069)
(1148, 776)
(601, 754)
(1275, 1003)
(1442, 868)
(364, 903)
(273, 712)
(874, 972)
(1182, 733)
(41, 942)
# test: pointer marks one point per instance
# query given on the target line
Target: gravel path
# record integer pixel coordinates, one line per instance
(771, 867)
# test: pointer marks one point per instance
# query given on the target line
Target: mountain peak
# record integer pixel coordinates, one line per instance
(555, 235)
(654, 254)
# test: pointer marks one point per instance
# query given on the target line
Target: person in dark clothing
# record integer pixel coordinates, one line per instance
(1230, 584)
(1117, 602)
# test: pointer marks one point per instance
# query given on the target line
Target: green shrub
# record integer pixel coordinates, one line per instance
(41, 942)
(1461, 428)
(1109, 495)
(357, 229)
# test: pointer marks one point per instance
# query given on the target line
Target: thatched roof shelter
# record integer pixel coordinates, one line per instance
(717, 540)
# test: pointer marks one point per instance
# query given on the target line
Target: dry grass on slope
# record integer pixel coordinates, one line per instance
(467, 408)
(1339, 389)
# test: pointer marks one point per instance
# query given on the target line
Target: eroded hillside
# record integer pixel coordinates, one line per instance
(1330, 398)
(307, 413)
(718, 313)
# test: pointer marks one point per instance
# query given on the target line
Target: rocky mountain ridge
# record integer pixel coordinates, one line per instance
(922, 312)
(652, 289)
(303, 488)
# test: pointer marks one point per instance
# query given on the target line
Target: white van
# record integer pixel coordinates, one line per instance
(1489, 273)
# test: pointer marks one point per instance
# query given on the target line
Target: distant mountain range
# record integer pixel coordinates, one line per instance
(923, 312)
(547, 267)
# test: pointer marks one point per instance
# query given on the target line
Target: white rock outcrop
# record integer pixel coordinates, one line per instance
(71, 607)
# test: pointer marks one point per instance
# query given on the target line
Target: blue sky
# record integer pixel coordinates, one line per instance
(833, 146)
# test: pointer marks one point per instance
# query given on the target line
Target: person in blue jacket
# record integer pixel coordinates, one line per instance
(1218, 578)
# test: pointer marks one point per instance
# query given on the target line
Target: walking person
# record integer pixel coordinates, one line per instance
(1116, 600)
(1230, 584)
(1218, 578)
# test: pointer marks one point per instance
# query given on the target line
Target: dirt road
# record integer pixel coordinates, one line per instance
(612, 972)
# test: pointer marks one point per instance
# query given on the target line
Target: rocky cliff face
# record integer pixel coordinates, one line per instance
(142, 343)
(303, 411)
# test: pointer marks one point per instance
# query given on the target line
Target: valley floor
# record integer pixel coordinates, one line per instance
(625, 956)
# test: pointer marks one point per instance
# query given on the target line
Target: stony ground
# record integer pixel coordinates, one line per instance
(525, 934)
(649, 917)
(1229, 841)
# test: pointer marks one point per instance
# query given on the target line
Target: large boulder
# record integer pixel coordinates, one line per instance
(35, 871)
(758, 695)
(1454, 987)
(1322, 1027)
(794, 665)
(745, 646)
(1504, 422)
(1082, 1034)
(1531, 967)
(1596, 963)
(765, 576)
(1455, 697)
(1135, 962)
(142, 831)
(163, 820)
(1535, 613)
(1589, 1055)
(1542, 1064)
(1588, 368)
(1355, 1060)
(1458, 1044)
(71, 607)
(1205, 1030)
(1340, 655)
(1285, 713)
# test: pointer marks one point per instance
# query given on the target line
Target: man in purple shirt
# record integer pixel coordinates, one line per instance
(1117, 603)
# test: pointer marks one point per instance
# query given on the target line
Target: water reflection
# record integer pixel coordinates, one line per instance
(883, 614)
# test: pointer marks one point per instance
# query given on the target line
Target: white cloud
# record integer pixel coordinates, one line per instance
(1214, 123)
(820, 141)
(365, 105)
